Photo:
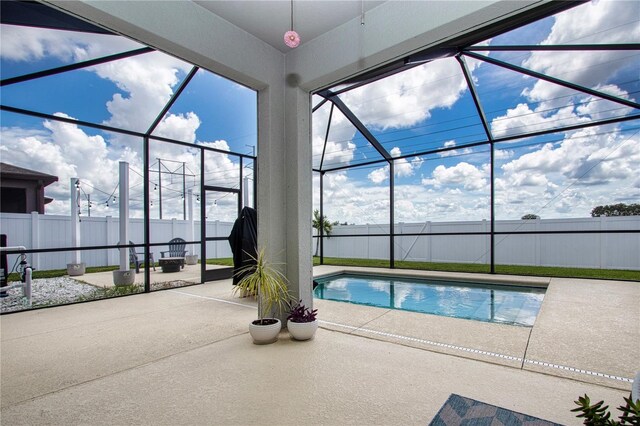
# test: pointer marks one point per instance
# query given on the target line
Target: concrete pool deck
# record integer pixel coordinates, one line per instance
(588, 325)
(183, 356)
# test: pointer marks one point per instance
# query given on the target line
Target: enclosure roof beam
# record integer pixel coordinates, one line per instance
(553, 47)
(174, 97)
(326, 136)
(361, 127)
(553, 80)
(73, 67)
(474, 95)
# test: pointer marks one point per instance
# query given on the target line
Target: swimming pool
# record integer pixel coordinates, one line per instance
(504, 304)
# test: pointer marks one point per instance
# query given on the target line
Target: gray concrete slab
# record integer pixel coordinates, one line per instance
(334, 379)
(184, 356)
(36, 364)
(484, 341)
(593, 325)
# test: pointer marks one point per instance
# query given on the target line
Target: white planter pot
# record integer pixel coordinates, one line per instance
(122, 278)
(75, 269)
(302, 330)
(191, 259)
(264, 334)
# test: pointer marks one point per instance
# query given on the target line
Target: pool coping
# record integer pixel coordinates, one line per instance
(551, 346)
(515, 280)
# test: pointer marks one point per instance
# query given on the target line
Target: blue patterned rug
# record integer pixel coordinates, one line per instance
(461, 411)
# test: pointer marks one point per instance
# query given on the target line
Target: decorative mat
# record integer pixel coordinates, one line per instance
(458, 411)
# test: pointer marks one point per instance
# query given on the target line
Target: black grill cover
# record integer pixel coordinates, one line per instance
(244, 240)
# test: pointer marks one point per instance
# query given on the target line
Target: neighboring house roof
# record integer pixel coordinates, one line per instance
(9, 171)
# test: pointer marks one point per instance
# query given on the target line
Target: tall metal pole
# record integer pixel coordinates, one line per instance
(239, 203)
(184, 189)
(160, 186)
(203, 220)
(245, 189)
(147, 211)
(89, 205)
(493, 213)
(124, 214)
(392, 237)
(320, 239)
(74, 185)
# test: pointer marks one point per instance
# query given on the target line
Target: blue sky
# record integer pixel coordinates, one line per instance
(564, 174)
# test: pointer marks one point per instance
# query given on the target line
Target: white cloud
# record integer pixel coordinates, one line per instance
(402, 167)
(181, 127)
(408, 98)
(503, 154)
(63, 150)
(522, 119)
(148, 81)
(454, 152)
(379, 175)
(30, 44)
(463, 174)
(588, 167)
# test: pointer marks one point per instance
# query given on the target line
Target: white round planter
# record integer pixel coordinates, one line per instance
(122, 278)
(302, 330)
(75, 269)
(264, 334)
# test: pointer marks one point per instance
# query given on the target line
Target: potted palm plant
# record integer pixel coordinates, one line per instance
(270, 286)
(301, 322)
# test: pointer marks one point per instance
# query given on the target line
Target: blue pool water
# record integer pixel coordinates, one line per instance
(504, 304)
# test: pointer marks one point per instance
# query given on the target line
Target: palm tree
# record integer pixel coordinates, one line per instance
(319, 221)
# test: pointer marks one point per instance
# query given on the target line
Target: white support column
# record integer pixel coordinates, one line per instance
(74, 190)
(245, 191)
(123, 190)
(298, 192)
(190, 224)
(35, 239)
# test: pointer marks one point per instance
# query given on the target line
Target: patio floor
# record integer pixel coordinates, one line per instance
(183, 356)
(189, 273)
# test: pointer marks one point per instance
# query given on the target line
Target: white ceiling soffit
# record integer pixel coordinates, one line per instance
(268, 20)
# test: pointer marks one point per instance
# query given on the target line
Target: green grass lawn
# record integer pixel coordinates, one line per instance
(545, 271)
(226, 261)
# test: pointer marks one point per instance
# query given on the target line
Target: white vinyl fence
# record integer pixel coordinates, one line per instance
(50, 231)
(604, 251)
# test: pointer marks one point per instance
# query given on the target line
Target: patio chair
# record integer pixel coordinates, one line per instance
(136, 258)
(176, 249)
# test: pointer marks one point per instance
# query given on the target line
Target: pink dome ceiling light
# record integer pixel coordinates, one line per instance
(291, 38)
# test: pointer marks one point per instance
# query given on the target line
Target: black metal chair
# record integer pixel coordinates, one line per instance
(176, 249)
(136, 258)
